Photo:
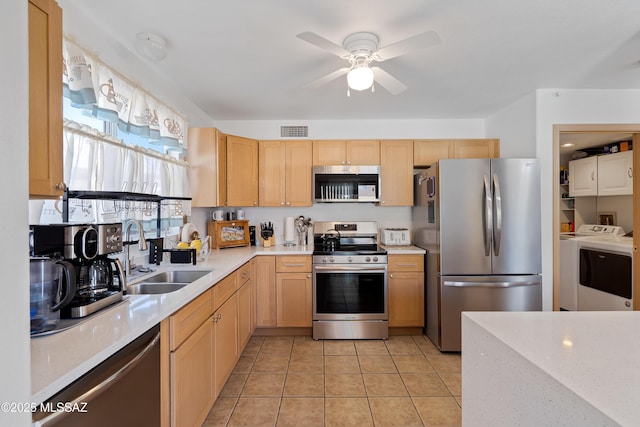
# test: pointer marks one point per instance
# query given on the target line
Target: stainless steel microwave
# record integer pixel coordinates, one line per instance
(346, 184)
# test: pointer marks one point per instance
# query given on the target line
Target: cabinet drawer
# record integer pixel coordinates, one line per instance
(293, 264)
(245, 274)
(189, 318)
(406, 262)
(224, 289)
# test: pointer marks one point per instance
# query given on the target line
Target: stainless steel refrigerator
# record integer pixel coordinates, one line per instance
(479, 220)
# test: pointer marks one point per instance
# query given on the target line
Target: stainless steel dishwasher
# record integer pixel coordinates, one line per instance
(124, 390)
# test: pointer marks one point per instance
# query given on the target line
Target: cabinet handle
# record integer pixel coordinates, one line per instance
(245, 274)
(294, 264)
(281, 203)
(255, 203)
(592, 176)
(61, 186)
(288, 203)
(348, 162)
(308, 276)
(391, 275)
(630, 172)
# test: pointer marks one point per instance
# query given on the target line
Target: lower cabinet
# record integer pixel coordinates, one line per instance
(293, 292)
(225, 341)
(406, 290)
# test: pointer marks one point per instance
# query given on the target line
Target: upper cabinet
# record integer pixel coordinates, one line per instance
(607, 175)
(208, 172)
(285, 173)
(428, 151)
(45, 99)
(242, 171)
(396, 173)
(476, 148)
(340, 152)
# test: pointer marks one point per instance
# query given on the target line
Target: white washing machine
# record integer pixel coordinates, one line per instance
(604, 258)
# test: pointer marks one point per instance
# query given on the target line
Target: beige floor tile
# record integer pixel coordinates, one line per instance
(384, 385)
(271, 363)
(221, 412)
(264, 384)
(394, 411)
(253, 346)
(277, 345)
(347, 412)
(439, 411)
(371, 348)
(428, 384)
(446, 362)
(377, 364)
(402, 345)
(255, 412)
(339, 348)
(304, 384)
(453, 380)
(234, 385)
(306, 363)
(245, 363)
(425, 345)
(343, 385)
(307, 345)
(301, 411)
(413, 363)
(341, 364)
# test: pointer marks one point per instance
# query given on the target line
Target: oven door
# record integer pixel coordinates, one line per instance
(350, 292)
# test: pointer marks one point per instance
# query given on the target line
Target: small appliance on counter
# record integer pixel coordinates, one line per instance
(395, 236)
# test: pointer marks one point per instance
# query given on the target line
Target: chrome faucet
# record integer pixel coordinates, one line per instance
(142, 243)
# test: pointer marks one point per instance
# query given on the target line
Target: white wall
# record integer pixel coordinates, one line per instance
(15, 369)
(515, 125)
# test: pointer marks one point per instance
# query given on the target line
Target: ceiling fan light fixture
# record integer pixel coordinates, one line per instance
(151, 46)
(360, 77)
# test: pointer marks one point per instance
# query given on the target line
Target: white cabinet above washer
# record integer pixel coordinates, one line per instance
(608, 175)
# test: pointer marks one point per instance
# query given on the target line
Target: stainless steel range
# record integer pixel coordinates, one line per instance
(350, 293)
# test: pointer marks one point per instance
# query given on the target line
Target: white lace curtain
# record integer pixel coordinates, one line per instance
(107, 95)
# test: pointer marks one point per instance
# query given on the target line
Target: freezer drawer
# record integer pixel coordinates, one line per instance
(483, 293)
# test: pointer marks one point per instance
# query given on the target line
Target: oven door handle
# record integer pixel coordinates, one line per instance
(349, 268)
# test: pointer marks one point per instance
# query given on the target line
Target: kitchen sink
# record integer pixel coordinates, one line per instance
(145, 288)
(165, 282)
(177, 276)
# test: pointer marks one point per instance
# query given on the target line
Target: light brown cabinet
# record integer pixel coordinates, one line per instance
(406, 290)
(342, 152)
(476, 148)
(208, 171)
(225, 341)
(265, 291)
(242, 171)
(396, 172)
(45, 99)
(428, 151)
(293, 291)
(285, 173)
(246, 283)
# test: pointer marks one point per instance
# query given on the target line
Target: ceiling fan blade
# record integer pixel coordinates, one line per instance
(387, 81)
(328, 78)
(417, 42)
(323, 43)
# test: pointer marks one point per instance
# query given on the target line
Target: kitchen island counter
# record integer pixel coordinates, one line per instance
(60, 358)
(551, 368)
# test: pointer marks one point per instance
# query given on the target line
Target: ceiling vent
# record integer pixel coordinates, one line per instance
(294, 131)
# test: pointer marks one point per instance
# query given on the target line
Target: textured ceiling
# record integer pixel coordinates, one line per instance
(241, 60)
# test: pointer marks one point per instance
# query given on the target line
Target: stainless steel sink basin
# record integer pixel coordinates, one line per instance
(177, 276)
(145, 288)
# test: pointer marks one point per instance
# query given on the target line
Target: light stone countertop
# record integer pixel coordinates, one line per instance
(590, 360)
(59, 359)
(403, 250)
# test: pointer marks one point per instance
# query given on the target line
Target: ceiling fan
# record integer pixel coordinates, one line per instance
(361, 49)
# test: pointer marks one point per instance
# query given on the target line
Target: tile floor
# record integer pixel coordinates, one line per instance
(296, 381)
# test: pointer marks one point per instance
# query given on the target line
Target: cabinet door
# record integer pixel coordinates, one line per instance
(396, 173)
(225, 341)
(244, 315)
(298, 165)
(45, 99)
(363, 152)
(476, 148)
(406, 299)
(272, 172)
(615, 174)
(208, 171)
(242, 171)
(294, 305)
(192, 378)
(428, 151)
(329, 153)
(583, 177)
(265, 291)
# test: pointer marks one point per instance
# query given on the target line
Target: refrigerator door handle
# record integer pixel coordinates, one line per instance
(488, 216)
(497, 231)
(503, 284)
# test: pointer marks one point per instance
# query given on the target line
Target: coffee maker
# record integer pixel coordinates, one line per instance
(99, 279)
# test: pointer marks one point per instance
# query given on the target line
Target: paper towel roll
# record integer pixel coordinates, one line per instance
(289, 229)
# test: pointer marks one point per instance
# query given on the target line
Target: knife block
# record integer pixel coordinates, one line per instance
(271, 241)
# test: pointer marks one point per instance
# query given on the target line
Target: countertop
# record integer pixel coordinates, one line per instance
(592, 356)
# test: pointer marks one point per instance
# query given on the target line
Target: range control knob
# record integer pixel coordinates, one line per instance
(375, 259)
(324, 259)
(368, 259)
(350, 259)
(331, 259)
